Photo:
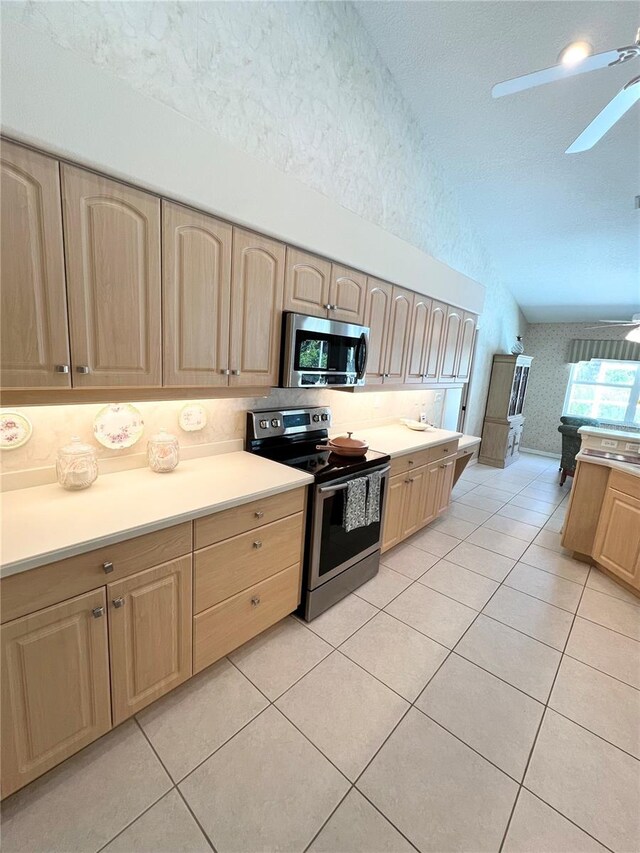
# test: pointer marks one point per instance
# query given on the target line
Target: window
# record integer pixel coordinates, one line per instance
(605, 390)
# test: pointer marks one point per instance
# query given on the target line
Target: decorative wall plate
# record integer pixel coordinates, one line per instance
(15, 430)
(192, 417)
(118, 425)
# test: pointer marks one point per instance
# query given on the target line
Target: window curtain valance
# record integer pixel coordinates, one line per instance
(585, 350)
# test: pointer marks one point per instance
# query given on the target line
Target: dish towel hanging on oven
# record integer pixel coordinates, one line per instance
(373, 497)
(355, 505)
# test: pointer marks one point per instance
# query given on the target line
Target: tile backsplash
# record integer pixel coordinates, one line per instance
(53, 426)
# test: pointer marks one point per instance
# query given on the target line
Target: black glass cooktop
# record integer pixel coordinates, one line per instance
(323, 465)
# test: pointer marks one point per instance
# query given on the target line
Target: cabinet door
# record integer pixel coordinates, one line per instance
(306, 285)
(431, 491)
(435, 342)
(465, 347)
(417, 352)
(149, 635)
(451, 347)
(617, 542)
(196, 287)
(445, 485)
(112, 245)
(55, 686)
(392, 531)
(413, 501)
(376, 317)
(256, 309)
(347, 295)
(398, 335)
(34, 334)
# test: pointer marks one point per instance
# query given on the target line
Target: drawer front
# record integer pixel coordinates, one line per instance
(34, 589)
(628, 484)
(442, 450)
(409, 461)
(240, 519)
(224, 569)
(223, 628)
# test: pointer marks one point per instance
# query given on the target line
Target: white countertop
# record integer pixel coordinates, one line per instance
(627, 467)
(397, 439)
(46, 523)
(610, 432)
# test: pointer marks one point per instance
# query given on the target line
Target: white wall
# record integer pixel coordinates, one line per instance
(277, 115)
(548, 343)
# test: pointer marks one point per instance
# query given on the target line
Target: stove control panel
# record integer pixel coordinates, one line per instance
(271, 423)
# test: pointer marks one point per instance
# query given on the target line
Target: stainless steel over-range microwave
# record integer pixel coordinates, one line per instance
(318, 353)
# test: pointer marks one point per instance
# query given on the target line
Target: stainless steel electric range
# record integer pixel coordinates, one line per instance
(336, 561)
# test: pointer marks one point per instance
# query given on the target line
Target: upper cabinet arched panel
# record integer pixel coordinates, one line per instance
(306, 283)
(347, 295)
(112, 240)
(34, 334)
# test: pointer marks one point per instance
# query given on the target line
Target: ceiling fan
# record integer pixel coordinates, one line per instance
(577, 58)
(632, 335)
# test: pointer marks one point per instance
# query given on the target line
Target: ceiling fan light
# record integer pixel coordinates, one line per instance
(634, 335)
(575, 52)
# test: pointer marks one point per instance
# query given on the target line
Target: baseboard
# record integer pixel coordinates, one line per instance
(539, 452)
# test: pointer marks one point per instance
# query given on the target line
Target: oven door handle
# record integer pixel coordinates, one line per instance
(323, 489)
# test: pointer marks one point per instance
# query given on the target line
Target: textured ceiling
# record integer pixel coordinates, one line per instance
(561, 229)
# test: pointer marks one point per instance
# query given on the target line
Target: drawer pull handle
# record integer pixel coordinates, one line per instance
(255, 601)
(410, 462)
(409, 479)
(97, 612)
(107, 567)
(257, 544)
(118, 602)
(82, 368)
(61, 368)
(446, 450)
(258, 513)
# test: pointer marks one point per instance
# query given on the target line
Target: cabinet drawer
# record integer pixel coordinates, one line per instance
(239, 519)
(226, 568)
(628, 484)
(34, 589)
(408, 461)
(442, 450)
(222, 628)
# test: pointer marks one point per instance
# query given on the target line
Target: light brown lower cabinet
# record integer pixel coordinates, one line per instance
(617, 542)
(55, 686)
(124, 633)
(415, 497)
(149, 635)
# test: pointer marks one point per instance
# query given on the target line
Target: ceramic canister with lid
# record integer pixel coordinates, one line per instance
(163, 452)
(77, 465)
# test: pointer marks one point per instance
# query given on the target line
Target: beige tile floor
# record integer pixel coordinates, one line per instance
(482, 693)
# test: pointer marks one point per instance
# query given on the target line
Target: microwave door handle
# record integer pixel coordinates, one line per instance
(361, 361)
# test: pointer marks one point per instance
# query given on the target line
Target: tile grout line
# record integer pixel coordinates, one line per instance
(137, 817)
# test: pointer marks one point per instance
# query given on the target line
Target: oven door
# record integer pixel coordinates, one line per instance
(332, 549)
(321, 352)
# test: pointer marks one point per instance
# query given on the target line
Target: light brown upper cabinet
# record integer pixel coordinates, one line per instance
(434, 342)
(418, 340)
(398, 335)
(256, 309)
(196, 290)
(112, 243)
(465, 346)
(347, 295)
(34, 334)
(376, 317)
(55, 686)
(150, 630)
(450, 344)
(307, 280)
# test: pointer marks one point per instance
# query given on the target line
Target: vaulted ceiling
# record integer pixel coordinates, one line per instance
(562, 230)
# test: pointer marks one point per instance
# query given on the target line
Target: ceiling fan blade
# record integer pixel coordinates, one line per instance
(607, 117)
(559, 72)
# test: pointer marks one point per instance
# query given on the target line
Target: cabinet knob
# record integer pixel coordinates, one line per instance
(409, 479)
(61, 368)
(255, 601)
(258, 513)
(107, 567)
(83, 368)
(118, 602)
(235, 373)
(225, 371)
(410, 462)
(257, 544)
(443, 466)
(97, 612)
